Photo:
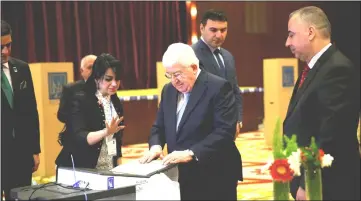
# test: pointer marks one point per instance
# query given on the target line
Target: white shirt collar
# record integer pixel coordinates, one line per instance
(6, 64)
(318, 55)
(198, 72)
(101, 97)
(211, 48)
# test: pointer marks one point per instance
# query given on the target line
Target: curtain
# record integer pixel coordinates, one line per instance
(137, 33)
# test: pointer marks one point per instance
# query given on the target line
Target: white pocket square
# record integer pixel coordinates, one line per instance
(23, 84)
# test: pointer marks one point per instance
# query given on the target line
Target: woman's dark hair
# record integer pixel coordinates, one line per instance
(102, 63)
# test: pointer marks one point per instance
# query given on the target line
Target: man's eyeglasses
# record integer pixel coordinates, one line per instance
(6, 45)
(177, 75)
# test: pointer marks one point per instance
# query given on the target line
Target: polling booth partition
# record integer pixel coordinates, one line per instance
(279, 78)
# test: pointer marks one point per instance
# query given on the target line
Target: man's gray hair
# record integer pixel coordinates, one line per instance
(86, 60)
(179, 53)
(316, 17)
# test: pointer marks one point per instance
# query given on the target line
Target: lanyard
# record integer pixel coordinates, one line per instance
(110, 108)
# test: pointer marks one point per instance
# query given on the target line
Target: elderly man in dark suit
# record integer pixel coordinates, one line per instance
(325, 104)
(217, 60)
(20, 140)
(197, 119)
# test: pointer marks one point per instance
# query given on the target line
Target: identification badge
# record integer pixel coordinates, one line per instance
(112, 148)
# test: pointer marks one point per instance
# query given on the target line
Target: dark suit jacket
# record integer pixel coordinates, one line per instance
(327, 107)
(23, 119)
(66, 97)
(207, 128)
(86, 116)
(209, 63)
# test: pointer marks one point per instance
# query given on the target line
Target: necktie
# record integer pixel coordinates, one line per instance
(305, 70)
(181, 107)
(5, 85)
(217, 52)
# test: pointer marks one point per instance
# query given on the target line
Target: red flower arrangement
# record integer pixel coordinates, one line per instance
(321, 153)
(281, 171)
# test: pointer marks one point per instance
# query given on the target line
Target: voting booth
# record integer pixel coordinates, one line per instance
(279, 78)
(153, 180)
(48, 79)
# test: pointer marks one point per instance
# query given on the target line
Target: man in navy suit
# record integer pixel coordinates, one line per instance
(215, 59)
(197, 119)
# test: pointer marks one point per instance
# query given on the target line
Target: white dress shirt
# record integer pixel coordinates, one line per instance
(317, 56)
(212, 50)
(7, 73)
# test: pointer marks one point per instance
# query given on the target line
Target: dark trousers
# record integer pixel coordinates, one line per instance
(16, 169)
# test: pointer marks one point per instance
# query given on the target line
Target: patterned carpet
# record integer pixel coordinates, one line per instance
(255, 185)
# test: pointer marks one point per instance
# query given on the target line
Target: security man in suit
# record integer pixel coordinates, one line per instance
(217, 60)
(20, 137)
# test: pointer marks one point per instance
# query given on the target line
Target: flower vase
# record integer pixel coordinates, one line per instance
(281, 190)
(313, 180)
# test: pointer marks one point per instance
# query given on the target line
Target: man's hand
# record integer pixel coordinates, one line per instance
(154, 152)
(238, 129)
(36, 162)
(301, 194)
(177, 157)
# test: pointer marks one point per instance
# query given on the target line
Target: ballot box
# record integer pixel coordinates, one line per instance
(153, 181)
(54, 191)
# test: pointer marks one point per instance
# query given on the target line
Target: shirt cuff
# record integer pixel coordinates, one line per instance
(192, 154)
(156, 148)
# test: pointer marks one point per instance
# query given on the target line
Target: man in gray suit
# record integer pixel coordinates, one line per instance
(215, 59)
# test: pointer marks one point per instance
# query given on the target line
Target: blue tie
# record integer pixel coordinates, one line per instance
(181, 107)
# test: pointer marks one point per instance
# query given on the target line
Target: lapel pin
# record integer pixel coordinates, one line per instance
(15, 69)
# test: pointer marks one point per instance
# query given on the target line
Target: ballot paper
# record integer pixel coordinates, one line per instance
(135, 168)
(158, 187)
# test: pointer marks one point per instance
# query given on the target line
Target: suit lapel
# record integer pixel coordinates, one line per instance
(14, 74)
(226, 62)
(15, 78)
(292, 101)
(298, 93)
(196, 94)
(296, 96)
(172, 114)
(3, 98)
(208, 55)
